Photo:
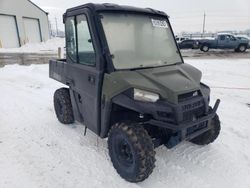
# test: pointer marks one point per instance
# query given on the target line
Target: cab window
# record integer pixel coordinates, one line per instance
(228, 37)
(71, 39)
(232, 38)
(86, 52)
(222, 37)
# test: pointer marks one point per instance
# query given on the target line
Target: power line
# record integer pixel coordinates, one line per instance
(222, 11)
(212, 23)
(213, 16)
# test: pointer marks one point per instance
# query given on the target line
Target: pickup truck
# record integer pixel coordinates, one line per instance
(224, 41)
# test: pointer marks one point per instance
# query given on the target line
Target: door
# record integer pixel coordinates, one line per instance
(8, 32)
(226, 42)
(221, 41)
(83, 74)
(232, 44)
(32, 30)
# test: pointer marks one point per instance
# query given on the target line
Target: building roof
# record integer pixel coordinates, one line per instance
(38, 7)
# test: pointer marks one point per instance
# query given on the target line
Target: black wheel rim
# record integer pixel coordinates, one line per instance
(242, 48)
(124, 152)
(205, 48)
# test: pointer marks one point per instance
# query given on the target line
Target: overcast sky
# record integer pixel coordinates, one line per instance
(185, 15)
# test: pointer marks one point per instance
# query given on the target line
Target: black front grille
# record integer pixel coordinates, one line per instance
(192, 110)
(184, 112)
(193, 114)
(191, 106)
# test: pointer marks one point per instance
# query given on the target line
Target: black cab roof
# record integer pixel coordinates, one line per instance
(116, 7)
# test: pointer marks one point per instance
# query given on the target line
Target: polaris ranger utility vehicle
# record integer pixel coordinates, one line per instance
(127, 81)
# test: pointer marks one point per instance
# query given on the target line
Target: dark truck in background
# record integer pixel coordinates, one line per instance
(224, 41)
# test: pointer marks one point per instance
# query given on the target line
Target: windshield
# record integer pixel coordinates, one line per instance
(137, 41)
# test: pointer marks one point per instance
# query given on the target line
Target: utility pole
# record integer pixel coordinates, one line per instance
(50, 29)
(204, 24)
(56, 26)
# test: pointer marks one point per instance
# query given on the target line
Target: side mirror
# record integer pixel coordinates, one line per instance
(90, 40)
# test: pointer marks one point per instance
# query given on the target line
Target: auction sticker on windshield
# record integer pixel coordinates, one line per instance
(159, 23)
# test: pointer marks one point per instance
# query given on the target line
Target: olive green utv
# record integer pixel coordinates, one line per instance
(127, 81)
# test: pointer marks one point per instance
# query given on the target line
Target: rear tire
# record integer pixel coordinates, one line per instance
(63, 106)
(131, 151)
(209, 136)
(242, 48)
(205, 48)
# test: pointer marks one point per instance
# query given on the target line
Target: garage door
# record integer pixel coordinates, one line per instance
(32, 30)
(8, 32)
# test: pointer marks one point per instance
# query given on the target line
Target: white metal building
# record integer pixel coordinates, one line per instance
(21, 22)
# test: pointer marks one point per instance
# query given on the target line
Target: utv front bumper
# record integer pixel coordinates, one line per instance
(188, 130)
(185, 120)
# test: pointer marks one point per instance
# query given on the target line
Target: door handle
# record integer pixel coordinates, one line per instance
(91, 79)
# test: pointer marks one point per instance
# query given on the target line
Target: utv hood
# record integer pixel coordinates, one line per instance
(177, 79)
(173, 80)
(168, 81)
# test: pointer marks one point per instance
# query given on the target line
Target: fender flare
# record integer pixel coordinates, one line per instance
(123, 101)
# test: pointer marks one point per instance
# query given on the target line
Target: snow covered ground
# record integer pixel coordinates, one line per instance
(37, 151)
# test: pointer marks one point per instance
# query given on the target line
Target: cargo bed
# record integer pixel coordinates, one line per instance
(57, 70)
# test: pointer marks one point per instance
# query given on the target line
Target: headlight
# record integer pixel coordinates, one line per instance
(145, 96)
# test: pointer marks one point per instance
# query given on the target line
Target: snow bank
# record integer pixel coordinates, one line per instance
(37, 151)
(43, 47)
